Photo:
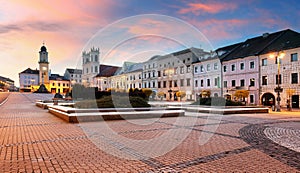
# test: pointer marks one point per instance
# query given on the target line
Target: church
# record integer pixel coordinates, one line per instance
(32, 79)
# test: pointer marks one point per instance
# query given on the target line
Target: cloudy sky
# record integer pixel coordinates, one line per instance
(70, 26)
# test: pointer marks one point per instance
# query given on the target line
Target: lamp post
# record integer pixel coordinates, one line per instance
(278, 89)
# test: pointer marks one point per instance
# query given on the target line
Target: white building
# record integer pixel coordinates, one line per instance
(175, 73)
(287, 47)
(90, 66)
(207, 75)
(73, 75)
(129, 76)
(28, 79)
(104, 77)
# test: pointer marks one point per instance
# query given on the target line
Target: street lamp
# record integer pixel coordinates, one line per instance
(278, 89)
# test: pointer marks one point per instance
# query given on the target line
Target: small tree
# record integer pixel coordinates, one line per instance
(160, 95)
(181, 94)
(205, 93)
(147, 91)
(241, 94)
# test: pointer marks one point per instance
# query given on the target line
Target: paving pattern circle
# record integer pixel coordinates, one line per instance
(273, 141)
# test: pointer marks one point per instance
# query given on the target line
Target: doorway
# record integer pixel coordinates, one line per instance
(268, 99)
(295, 101)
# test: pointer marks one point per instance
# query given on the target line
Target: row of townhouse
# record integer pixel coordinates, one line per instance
(246, 65)
(253, 65)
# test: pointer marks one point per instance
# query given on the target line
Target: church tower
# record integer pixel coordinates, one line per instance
(44, 66)
(90, 66)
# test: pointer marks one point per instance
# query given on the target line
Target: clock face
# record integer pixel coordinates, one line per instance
(44, 68)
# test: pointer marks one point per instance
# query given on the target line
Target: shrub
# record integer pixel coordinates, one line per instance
(181, 94)
(108, 102)
(217, 101)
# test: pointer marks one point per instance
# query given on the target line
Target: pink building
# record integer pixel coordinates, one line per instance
(240, 67)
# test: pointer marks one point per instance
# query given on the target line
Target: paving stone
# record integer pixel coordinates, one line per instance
(32, 140)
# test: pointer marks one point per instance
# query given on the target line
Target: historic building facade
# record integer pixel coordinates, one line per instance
(207, 76)
(90, 66)
(242, 66)
(7, 84)
(287, 49)
(31, 80)
(73, 75)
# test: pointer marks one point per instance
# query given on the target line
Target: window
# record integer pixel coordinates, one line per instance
(201, 68)
(201, 82)
(196, 69)
(153, 74)
(170, 83)
(208, 67)
(64, 84)
(153, 84)
(294, 78)
(264, 80)
(252, 82)
(164, 73)
(87, 70)
(233, 83)
(242, 82)
(175, 70)
(242, 66)
(216, 81)
(277, 79)
(252, 65)
(165, 84)
(233, 67)
(53, 84)
(208, 82)
(175, 83)
(71, 75)
(294, 57)
(196, 83)
(189, 68)
(215, 66)
(225, 68)
(158, 73)
(96, 58)
(96, 69)
(251, 98)
(59, 84)
(188, 82)
(158, 84)
(181, 82)
(225, 84)
(92, 69)
(264, 62)
(181, 70)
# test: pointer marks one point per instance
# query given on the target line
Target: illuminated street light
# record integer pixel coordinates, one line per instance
(278, 89)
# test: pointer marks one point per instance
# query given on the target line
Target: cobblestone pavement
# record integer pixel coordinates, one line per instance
(33, 140)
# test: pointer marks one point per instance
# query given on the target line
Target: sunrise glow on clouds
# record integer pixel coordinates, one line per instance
(66, 27)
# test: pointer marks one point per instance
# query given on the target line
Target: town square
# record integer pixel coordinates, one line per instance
(149, 86)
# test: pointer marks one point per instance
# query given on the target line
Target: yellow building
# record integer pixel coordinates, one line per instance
(31, 80)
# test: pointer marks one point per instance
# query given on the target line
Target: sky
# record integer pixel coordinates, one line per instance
(129, 30)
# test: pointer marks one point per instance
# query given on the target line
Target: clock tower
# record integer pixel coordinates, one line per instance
(44, 66)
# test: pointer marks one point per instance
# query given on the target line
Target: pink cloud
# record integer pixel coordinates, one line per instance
(65, 26)
(219, 30)
(213, 8)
